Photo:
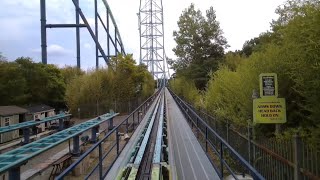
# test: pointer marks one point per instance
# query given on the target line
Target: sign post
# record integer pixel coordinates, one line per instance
(269, 109)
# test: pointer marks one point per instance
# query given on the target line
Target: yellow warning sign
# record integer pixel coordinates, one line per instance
(269, 110)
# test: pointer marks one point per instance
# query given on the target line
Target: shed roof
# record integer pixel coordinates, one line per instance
(11, 110)
(38, 108)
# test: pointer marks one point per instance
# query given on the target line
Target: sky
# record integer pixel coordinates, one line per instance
(240, 20)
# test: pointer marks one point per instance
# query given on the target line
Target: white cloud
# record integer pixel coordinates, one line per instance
(54, 50)
(87, 45)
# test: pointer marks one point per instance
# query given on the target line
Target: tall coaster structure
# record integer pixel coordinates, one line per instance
(109, 27)
(151, 31)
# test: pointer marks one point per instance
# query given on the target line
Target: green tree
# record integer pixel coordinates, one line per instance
(100, 90)
(200, 45)
(69, 73)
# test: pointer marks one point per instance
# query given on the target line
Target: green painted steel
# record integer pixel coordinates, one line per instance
(32, 123)
(21, 155)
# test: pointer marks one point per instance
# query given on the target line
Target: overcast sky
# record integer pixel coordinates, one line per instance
(240, 20)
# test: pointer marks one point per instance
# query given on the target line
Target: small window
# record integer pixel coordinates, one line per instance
(6, 121)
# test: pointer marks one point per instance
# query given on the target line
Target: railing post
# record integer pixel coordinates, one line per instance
(100, 161)
(297, 156)
(221, 160)
(139, 114)
(127, 125)
(197, 124)
(206, 139)
(249, 143)
(133, 121)
(117, 139)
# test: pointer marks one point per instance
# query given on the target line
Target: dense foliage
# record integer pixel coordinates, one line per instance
(200, 45)
(100, 90)
(290, 49)
(24, 82)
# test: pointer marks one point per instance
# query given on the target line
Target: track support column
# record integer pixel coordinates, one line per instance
(76, 145)
(26, 135)
(61, 124)
(14, 173)
(94, 132)
(110, 126)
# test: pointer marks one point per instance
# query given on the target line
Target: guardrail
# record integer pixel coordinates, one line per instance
(274, 158)
(100, 170)
(220, 153)
(12, 160)
(25, 126)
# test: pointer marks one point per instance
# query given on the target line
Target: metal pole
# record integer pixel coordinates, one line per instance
(100, 161)
(14, 173)
(108, 35)
(94, 132)
(76, 145)
(60, 124)
(43, 31)
(221, 160)
(91, 32)
(110, 124)
(96, 30)
(117, 140)
(26, 134)
(206, 139)
(115, 40)
(78, 35)
(249, 142)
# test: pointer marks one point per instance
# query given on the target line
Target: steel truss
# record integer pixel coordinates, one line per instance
(113, 38)
(151, 30)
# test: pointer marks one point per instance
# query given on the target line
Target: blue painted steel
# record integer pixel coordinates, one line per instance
(94, 132)
(144, 143)
(76, 145)
(32, 123)
(158, 146)
(224, 146)
(110, 126)
(60, 124)
(26, 135)
(144, 106)
(20, 155)
(14, 173)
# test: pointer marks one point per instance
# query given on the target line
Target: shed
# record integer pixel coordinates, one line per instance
(40, 111)
(10, 115)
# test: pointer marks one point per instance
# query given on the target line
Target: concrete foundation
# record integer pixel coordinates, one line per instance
(80, 169)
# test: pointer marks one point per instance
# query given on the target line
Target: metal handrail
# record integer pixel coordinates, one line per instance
(29, 124)
(100, 142)
(223, 144)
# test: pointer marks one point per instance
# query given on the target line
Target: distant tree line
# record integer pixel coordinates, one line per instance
(291, 49)
(24, 82)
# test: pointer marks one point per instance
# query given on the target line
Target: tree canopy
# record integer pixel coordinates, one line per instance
(290, 49)
(113, 88)
(200, 45)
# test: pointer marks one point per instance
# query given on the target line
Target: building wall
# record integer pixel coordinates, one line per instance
(8, 136)
(41, 115)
